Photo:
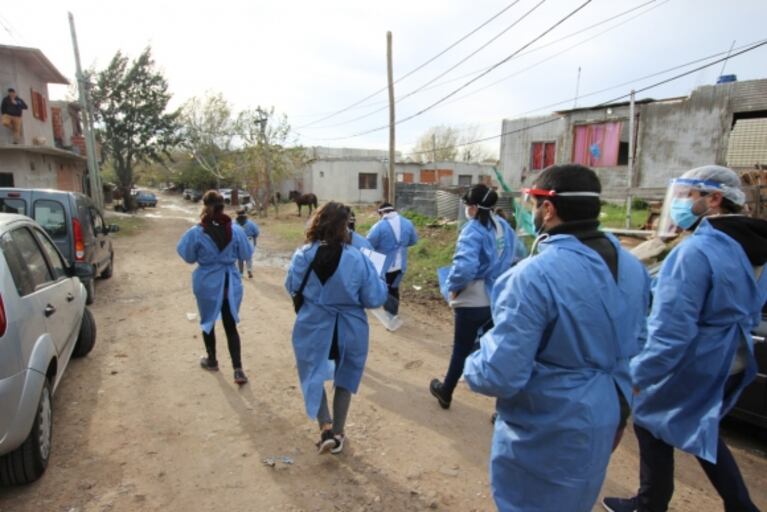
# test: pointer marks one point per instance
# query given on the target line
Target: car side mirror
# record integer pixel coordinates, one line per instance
(113, 228)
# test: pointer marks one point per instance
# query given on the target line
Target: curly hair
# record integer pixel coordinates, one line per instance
(329, 224)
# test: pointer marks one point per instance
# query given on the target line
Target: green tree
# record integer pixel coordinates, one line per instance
(268, 154)
(130, 100)
(208, 131)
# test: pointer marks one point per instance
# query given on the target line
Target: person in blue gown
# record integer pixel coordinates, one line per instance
(252, 232)
(330, 335)
(699, 354)
(567, 321)
(484, 250)
(215, 245)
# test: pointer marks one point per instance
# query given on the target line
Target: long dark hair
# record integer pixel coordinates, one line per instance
(484, 198)
(329, 225)
(212, 204)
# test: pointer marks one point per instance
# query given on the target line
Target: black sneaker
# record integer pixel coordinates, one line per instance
(240, 377)
(620, 504)
(207, 364)
(436, 389)
(327, 442)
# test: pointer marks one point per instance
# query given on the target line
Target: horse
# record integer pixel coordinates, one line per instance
(303, 200)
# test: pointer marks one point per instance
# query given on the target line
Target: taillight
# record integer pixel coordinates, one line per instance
(79, 240)
(3, 318)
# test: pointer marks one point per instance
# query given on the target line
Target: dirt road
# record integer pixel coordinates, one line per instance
(138, 426)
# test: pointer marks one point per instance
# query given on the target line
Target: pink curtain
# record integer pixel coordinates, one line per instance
(597, 145)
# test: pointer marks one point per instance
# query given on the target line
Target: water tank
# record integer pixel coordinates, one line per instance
(725, 79)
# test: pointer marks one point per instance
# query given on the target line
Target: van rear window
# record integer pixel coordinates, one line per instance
(50, 215)
(12, 205)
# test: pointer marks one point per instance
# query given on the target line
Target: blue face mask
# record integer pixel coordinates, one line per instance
(681, 213)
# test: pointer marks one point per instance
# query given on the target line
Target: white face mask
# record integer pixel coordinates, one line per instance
(467, 211)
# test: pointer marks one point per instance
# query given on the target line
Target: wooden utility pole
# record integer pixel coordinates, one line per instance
(390, 74)
(630, 180)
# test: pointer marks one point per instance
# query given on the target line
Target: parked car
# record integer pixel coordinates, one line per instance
(752, 404)
(75, 224)
(43, 323)
(242, 196)
(145, 199)
(192, 194)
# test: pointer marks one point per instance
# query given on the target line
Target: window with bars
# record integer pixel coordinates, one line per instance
(368, 181)
(542, 155)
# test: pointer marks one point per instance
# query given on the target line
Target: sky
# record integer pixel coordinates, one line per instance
(310, 59)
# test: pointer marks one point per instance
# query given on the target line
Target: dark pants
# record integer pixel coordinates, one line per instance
(656, 471)
(392, 302)
(468, 322)
(232, 336)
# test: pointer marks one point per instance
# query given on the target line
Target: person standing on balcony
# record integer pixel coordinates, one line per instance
(12, 108)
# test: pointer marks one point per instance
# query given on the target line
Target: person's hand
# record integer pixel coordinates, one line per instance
(453, 295)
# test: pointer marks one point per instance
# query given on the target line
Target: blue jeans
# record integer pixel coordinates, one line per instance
(468, 322)
(656, 471)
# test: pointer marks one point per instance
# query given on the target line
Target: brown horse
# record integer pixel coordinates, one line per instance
(300, 199)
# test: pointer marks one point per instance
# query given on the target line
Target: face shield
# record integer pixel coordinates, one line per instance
(677, 214)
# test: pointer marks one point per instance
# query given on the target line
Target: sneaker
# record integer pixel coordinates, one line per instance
(207, 364)
(240, 377)
(339, 447)
(250, 274)
(327, 442)
(436, 389)
(620, 504)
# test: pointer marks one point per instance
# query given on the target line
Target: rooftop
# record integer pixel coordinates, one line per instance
(37, 61)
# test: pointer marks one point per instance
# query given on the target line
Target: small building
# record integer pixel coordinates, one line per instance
(49, 154)
(361, 175)
(723, 124)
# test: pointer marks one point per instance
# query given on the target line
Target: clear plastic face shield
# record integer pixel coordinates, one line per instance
(678, 213)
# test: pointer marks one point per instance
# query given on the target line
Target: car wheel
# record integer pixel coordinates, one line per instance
(90, 289)
(107, 273)
(87, 337)
(27, 463)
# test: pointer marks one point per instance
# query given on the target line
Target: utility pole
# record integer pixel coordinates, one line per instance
(577, 87)
(629, 196)
(263, 120)
(390, 74)
(97, 193)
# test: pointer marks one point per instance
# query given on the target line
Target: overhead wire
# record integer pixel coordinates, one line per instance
(747, 49)
(468, 83)
(430, 86)
(417, 68)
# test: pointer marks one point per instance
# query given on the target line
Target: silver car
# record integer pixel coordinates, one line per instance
(43, 323)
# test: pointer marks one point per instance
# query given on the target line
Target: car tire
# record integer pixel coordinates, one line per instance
(107, 273)
(90, 290)
(87, 337)
(27, 463)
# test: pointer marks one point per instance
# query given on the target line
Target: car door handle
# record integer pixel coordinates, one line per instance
(49, 310)
(70, 297)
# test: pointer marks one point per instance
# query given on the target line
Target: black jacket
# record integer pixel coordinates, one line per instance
(13, 108)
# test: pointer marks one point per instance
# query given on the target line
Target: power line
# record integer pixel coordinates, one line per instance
(604, 103)
(428, 86)
(417, 68)
(485, 73)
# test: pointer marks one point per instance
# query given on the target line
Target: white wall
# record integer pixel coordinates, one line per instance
(29, 170)
(338, 180)
(17, 75)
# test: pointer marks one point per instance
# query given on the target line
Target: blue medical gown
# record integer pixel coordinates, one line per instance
(251, 230)
(359, 241)
(340, 303)
(706, 301)
(479, 256)
(381, 237)
(564, 333)
(213, 266)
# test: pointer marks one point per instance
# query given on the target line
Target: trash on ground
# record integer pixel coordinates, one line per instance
(191, 317)
(272, 461)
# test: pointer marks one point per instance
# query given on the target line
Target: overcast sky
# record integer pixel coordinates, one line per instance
(312, 58)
